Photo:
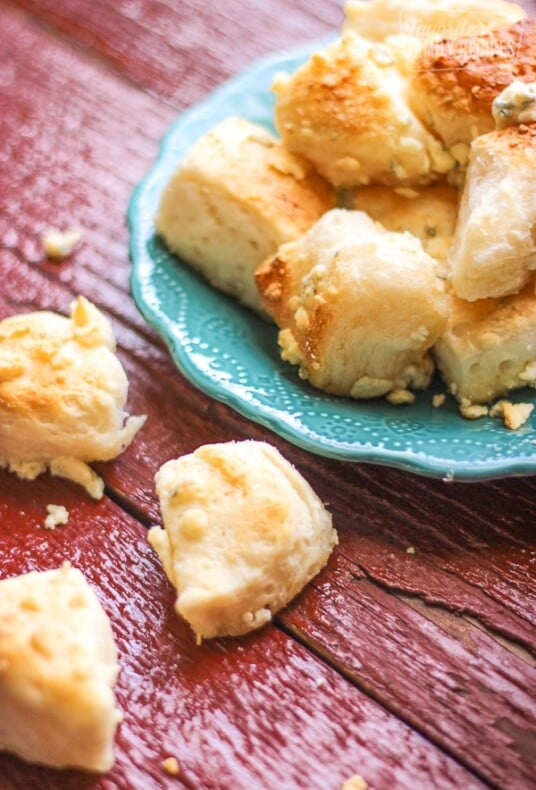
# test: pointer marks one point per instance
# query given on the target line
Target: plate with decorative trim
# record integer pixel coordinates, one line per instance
(232, 355)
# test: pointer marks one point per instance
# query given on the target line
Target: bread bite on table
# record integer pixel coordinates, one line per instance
(358, 306)
(62, 395)
(346, 111)
(58, 665)
(377, 19)
(494, 246)
(243, 534)
(456, 80)
(489, 347)
(235, 197)
(429, 213)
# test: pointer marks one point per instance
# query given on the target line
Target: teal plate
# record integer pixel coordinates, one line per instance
(232, 355)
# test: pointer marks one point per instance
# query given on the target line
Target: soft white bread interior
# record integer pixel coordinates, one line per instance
(489, 347)
(58, 665)
(62, 395)
(235, 197)
(243, 533)
(494, 247)
(377, 19)
(455, 81)
(429, 213)
(358, 306)
(346, 111)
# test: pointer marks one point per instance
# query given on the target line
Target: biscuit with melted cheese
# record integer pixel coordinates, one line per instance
(494, 247)
(358, 306)
(346, 111)
(58, 665)
(243, 534)
(489, 347)
(235, 197)
(62, 395)
(456, 80)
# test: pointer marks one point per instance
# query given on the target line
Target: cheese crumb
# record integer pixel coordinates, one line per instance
(400, 397)
(438, 400)
(58, 245)
(411, 550)
(473, 411)
(355, 783)
(57, 515)
(171, 766)
(514, 414)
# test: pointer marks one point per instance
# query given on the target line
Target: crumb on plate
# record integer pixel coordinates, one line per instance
(473, 411)
(438, 400)
(401, 397)
(515, 415)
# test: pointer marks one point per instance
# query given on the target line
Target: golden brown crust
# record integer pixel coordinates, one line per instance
(345, 110)
(272, 278)
(468, 72)
(514, 137)
(462, 75)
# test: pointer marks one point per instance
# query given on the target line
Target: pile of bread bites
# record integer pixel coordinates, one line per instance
(392, 226)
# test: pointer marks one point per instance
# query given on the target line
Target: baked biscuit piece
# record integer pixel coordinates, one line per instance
(377, 19)
(358, 306)
(489, 347)
(58, 665)
(428, 213)
(456, 80)
(235, 197)
(494, 247)
(62, 395)
(244, 533)
(346, 111)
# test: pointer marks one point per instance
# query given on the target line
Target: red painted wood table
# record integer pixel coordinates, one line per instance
(412, 670)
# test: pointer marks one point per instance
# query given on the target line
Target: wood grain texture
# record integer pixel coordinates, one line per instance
(182, 50)
(444, 638)
(254, 712)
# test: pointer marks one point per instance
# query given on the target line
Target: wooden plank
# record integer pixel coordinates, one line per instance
(254, 712)
(158, 43)
(442, 678)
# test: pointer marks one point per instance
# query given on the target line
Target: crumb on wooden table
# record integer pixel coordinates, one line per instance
(171, 766)
(57, 515)
(355, 782)
(59, 244)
